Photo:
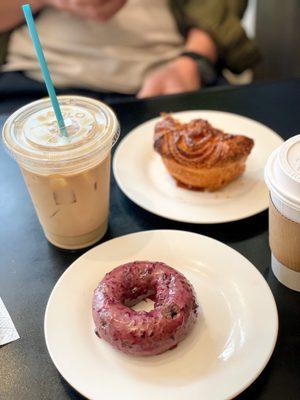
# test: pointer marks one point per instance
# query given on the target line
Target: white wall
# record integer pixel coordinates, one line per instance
(249, 20)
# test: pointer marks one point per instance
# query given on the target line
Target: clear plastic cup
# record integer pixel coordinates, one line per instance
(68, 178)
(282, 176)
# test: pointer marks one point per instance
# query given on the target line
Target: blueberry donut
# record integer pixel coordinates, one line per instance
(144, 333)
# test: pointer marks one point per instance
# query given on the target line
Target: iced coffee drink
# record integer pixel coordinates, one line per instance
(67, 177)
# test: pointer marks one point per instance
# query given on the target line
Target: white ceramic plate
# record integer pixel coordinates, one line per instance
(230, 345)
(142, 176)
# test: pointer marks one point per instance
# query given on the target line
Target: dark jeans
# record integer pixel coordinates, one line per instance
(16, 90)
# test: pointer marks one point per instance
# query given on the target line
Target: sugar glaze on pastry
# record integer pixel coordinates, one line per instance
(199, 156)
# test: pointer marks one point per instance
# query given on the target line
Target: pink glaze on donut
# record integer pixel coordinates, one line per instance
(140, 332)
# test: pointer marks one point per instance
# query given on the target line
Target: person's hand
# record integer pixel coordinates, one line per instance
(180, 75)
(100, 10)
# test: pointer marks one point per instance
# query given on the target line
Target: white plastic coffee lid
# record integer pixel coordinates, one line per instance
(282, 172)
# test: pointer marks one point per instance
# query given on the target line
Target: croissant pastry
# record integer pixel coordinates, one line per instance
(199, 156)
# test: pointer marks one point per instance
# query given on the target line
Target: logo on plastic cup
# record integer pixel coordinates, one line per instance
(41, 128)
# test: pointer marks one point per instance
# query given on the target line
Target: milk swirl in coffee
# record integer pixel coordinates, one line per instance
(67, 176)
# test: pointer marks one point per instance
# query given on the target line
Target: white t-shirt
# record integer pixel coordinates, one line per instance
(113, 56)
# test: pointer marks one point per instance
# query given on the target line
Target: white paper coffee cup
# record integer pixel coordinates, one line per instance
(282, 176)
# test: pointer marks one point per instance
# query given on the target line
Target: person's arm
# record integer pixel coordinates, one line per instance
(181, 74)
(11, 14)
(221, 19)
(198, 41)
(238, 7)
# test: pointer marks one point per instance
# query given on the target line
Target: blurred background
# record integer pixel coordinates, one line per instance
(118, 55)
(275, 25)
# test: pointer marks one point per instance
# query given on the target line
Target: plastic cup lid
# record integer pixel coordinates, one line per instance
(282, 172)
(33, 138)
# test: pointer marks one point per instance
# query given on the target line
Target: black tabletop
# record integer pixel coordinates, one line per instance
(30, 266)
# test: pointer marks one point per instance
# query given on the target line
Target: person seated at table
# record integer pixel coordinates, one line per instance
(134, 47)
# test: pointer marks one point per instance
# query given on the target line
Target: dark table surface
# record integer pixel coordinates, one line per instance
(30, 266)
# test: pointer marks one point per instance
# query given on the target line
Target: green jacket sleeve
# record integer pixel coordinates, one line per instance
(221, 19)
(238, 7)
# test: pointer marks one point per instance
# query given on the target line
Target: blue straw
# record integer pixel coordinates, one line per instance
(44, 68)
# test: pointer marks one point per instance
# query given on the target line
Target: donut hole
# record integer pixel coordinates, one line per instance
(140, 299)
(144, 305)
